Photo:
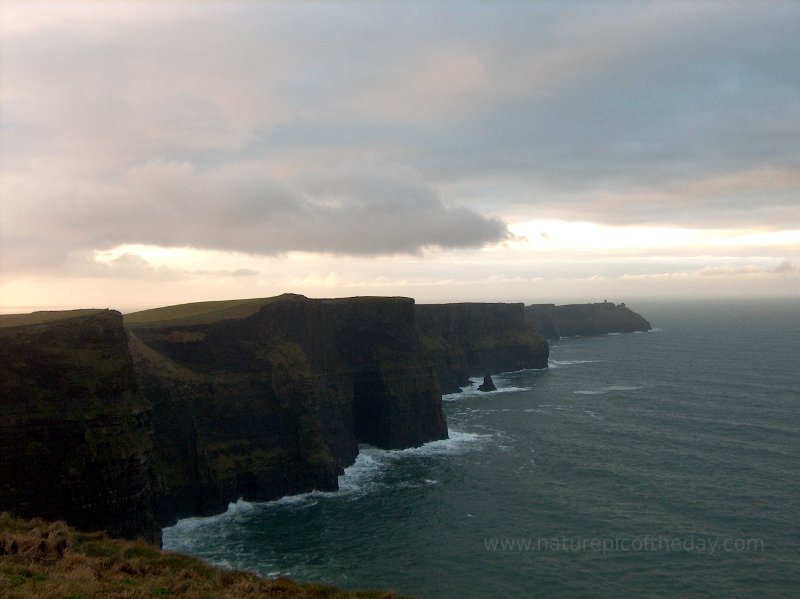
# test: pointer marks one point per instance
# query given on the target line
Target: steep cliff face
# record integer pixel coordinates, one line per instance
(75, 434)
(474, 339)
(263, 398)
(584, 319)
(197, 405)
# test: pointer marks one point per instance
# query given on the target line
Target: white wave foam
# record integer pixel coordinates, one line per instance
(240, 506)
(417, 484)
(301, 501)
(608, 389)
(557, 363)
(364, 476)
(615, 334)
(655, 330)
(361, 477)
(473, 391)
(459, 442)
(185, 532)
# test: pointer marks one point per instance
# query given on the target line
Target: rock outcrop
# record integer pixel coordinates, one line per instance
(75, 435)
(487, 385)
(472, 339)
(264, 398)
(584, 319)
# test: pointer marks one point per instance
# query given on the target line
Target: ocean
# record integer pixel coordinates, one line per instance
(662, 464)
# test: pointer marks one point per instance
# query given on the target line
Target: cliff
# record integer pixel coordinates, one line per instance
(125, 425)
(268, 397)
(475, 339)
(75, 435)
(584, 319)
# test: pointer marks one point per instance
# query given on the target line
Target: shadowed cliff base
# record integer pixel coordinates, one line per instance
(475, 339)
(49, 560)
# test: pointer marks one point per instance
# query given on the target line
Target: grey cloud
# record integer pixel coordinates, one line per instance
(366, 211)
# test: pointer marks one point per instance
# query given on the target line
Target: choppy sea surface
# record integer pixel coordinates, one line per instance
(652, 464)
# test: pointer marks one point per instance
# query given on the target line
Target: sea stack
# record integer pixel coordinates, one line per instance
(488, 384)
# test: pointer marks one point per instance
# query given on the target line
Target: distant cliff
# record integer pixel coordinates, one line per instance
(75, 436)
(584, 319)
(264, 398)
(474, 339)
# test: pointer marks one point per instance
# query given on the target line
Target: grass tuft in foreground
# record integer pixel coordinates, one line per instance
(49, 560)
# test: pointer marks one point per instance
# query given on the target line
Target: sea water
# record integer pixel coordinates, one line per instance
(662, 463)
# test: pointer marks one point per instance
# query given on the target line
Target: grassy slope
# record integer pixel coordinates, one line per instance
(208, 312)
(49, 560)
(34, 318)
(198, 312)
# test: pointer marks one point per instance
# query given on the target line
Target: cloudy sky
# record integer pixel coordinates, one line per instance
(163, 152)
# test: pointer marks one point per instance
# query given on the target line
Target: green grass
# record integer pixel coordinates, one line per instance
(50, 560)
(198, 312)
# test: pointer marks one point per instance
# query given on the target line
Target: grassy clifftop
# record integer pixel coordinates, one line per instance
(49, 560)
(43, 317)
(198, 313)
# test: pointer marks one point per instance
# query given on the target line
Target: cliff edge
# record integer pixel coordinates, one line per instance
(75, 435)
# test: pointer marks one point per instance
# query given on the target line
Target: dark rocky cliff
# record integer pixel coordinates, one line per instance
(264, 398)
(75, 435)
(584, 319)
(186, 408)
(475, 339)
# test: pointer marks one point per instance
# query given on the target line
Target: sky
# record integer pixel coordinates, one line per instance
(154, 153)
